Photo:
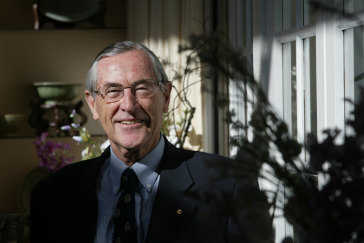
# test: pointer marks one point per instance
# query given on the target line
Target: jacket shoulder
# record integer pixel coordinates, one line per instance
(70, 175)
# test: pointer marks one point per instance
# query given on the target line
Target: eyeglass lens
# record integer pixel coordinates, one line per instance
(141, 89)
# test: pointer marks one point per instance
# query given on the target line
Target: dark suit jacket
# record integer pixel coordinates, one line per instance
(64, 205)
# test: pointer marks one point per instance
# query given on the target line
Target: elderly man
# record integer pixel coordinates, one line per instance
(142, 188)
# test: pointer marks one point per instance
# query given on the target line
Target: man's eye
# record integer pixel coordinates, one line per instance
(142, 86)
(113, 91)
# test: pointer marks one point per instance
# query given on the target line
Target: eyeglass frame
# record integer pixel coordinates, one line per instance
(131, 87)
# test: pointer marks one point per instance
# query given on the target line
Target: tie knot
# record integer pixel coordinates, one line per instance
(128, 179)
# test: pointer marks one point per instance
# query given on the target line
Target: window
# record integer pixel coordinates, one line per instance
(309, 61)
(316, 61)
(353, 51)
(297, 76)
(293, 74)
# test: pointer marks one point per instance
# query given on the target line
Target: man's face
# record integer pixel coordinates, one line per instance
(130, 123)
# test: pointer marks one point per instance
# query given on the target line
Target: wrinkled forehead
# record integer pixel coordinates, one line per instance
(128, 67)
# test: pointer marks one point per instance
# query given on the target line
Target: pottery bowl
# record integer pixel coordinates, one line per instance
(57, 91)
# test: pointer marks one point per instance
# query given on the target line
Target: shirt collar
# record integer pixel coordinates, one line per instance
(145, 169)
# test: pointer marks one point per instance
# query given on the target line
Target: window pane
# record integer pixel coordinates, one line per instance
(292, 14)
(354, 63)
(285, 15)
(289, 14)
(358, 61)
(309, 12)
(290, 87)
(352, 6)
(310, 112)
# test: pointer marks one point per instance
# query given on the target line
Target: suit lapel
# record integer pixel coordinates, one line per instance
(85, 196)
(172, 212)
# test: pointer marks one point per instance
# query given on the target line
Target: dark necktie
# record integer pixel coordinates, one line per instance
(125, 230)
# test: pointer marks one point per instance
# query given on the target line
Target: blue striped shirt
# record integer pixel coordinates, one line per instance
(108, 195)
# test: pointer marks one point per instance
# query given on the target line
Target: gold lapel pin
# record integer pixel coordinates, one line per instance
(179, 211)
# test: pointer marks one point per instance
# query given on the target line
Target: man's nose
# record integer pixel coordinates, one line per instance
(129, 101)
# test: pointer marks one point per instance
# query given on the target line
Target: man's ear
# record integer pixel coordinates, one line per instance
(91, 101)
(167, 95)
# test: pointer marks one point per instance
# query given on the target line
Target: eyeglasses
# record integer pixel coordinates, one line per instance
(142, 89)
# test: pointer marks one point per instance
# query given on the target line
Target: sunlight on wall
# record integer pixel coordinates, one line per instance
(163, 26)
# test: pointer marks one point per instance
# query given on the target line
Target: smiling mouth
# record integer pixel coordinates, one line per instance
(130, 122)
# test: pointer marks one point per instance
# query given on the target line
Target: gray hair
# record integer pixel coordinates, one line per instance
(121, 47)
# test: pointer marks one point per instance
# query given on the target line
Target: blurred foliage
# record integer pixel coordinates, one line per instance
(177, 122)
(334, 211)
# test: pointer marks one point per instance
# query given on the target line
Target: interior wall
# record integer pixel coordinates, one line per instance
(38, 56)
(18, 15)
(18, 158)
(47, 56)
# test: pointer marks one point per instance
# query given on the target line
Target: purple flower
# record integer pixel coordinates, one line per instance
(66, 128)
(52, 155)
(75, 125)
(77, 139)
(72, 115)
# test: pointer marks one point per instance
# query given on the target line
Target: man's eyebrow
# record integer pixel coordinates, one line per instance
(111, 84)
